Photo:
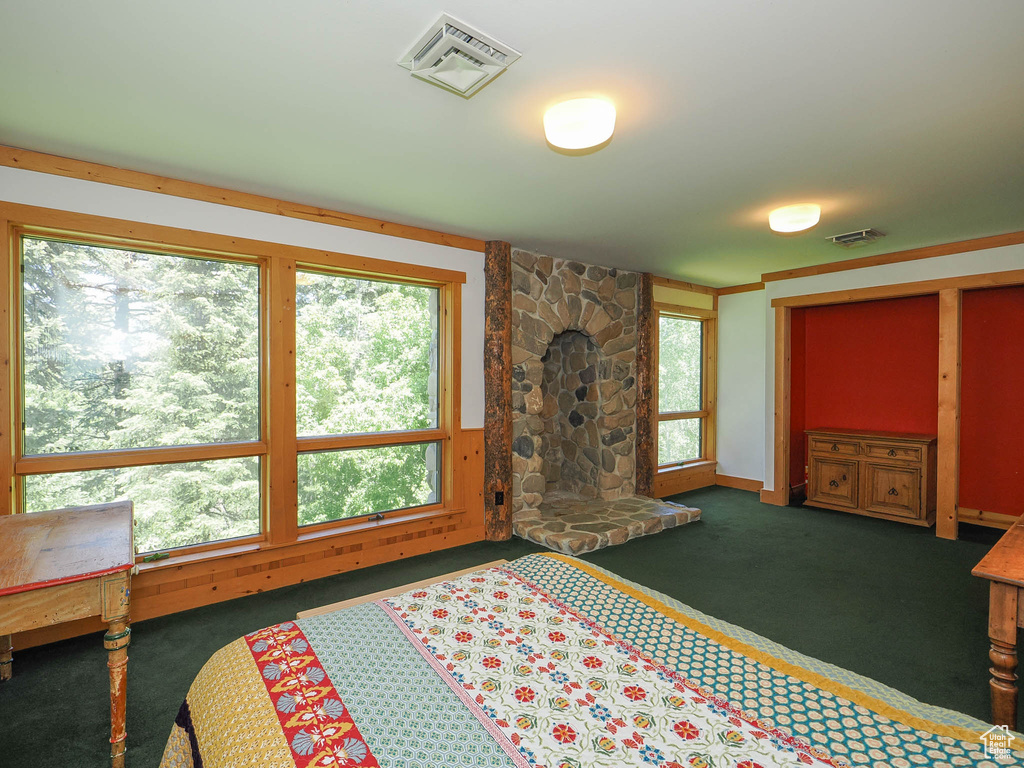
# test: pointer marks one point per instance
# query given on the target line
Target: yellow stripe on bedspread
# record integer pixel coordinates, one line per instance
(234, 719)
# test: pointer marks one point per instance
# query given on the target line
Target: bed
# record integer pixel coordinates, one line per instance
(549, 662)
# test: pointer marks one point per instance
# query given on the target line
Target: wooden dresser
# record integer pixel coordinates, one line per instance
(880, 474)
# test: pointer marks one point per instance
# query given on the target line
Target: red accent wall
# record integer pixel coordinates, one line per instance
(870, 365)
(992, 401)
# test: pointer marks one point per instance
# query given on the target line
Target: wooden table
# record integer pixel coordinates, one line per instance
(71, 564)
(1004, 567)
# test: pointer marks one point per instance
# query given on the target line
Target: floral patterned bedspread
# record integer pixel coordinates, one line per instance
(547, 662)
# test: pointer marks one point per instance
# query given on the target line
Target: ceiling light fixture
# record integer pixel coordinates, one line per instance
(794, 218)
(580, 123)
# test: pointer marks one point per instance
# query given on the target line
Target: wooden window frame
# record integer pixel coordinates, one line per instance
(278, 445)
(709, 392)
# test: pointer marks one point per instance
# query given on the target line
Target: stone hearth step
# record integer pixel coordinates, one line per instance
(574, 525)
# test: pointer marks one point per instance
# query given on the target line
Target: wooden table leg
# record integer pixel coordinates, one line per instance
(6, 657)
(116, 642)
(1002, 631)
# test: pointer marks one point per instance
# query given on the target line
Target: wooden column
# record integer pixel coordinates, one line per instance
(282, 525)
(783, 362)
(10, 270)
(497, 390)
(645, 395)
(948, 459)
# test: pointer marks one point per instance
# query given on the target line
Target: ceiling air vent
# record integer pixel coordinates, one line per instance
(457, 57)
(853, 239)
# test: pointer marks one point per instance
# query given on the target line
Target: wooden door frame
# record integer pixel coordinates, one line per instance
(950, 292)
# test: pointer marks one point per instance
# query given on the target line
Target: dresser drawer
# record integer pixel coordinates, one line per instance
(837, 447)
(892, 490)
(833, 481)
(894, 451)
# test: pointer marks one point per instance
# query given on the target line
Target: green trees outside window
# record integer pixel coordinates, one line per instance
(366, 362)
(680, 389)
(124, 349)
(153, 362)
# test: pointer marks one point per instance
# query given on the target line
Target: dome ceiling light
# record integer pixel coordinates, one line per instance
(580, 123)
(794, 218)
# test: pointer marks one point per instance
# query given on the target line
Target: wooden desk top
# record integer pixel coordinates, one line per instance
(1005, 561)
(41, 549)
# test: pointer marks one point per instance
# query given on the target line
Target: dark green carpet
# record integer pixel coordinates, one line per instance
(889, 601)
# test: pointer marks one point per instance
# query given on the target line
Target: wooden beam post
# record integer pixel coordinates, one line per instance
(10, 262)
(783, 362)
(282, 525)
(948, 460)
(646, 359)
(497, 390)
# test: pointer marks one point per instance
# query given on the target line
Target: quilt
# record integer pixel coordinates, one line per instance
(550, 662)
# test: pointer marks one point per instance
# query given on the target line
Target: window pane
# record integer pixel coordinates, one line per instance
(337, 484)
(175, 504)
(679, 364)
(366, 356)
(679, 440)
(124, 349)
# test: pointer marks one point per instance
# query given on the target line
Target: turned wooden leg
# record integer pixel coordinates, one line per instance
(6, 657)
(1002, 632)
(116, 642)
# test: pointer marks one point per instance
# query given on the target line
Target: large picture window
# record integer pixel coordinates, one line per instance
(367, 363)
(126, 350)
(234, 390)
(684, 412)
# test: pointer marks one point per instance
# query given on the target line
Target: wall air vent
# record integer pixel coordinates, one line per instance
(853, 239)
(457, 57)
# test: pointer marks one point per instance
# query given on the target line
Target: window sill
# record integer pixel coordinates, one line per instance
(362, 524)
(185, 558)
(326, 534)
(690, 466)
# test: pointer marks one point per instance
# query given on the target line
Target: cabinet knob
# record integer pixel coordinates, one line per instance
(835, 447)
(892, 451)
(833, 484)
(893, 492)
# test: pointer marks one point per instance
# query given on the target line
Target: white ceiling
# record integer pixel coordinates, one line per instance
(903, 115)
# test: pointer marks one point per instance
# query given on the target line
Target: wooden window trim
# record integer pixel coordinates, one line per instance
(321, 443)
(278, 444)
(40, 162)
(136, 457)
(709, 386)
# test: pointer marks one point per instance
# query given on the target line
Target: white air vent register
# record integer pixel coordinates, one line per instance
(457, 57)
(853, 239)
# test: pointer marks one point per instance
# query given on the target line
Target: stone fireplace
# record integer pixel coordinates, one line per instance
(574, 407)
(573, 380)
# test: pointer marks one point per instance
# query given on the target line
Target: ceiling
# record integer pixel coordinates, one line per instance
(905, 116)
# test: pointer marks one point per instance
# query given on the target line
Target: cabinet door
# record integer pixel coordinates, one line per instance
(833, 481)
(892, 490)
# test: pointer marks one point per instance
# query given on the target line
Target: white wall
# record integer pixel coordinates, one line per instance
(40, 189)
(741, 364)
